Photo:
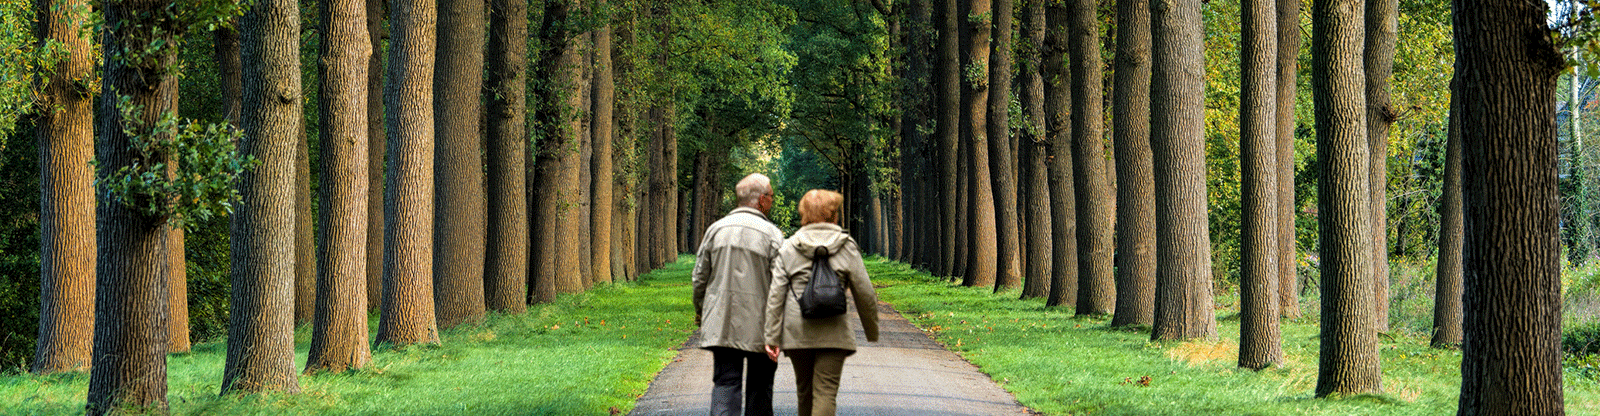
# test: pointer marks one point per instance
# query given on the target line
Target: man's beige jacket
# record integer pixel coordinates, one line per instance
(731, 276)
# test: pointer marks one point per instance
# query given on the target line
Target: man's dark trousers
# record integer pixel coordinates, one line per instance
(729, 368)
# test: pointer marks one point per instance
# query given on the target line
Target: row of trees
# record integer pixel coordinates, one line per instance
(497, 155)
(1028, 198)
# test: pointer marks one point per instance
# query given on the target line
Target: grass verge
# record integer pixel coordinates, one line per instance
(585, 354)
(1059, 364)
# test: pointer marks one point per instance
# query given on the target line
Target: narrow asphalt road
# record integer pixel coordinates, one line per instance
(904, 373)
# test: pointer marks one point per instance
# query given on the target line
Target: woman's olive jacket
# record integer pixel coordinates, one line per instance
(791, 270)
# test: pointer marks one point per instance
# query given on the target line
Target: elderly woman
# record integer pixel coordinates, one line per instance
(817, 347)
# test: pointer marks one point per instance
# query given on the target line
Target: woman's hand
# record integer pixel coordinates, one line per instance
(773, 351)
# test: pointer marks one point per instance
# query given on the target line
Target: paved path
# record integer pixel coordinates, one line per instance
(905, 373)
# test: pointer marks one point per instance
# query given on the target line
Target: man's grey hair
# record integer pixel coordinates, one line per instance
(751, 188)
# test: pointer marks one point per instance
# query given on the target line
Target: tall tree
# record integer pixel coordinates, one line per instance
(305, 254)
(947, 90)
(458, 228)
(1003, 177)
(128, 359)
(1096, 284)
(177, 280)
(376, 146)
(555, 240)
(602, 101)
(1177, 121)
(1130, 132)
(1034, 172)
(1507, 65)
(506, 269)
(1288, 68)
(339, 329)
(1260, 343)
(624, 153)
(921, 214)
(982, 257)
(260, 301)
(407, 315)
(1348, 363)
(1382, 27)
(1447, 312)
(65, 126)
(1058, 141)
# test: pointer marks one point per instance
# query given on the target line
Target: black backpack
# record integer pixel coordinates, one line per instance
(824, 295)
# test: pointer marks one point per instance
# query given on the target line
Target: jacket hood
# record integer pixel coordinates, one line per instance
(822, 234)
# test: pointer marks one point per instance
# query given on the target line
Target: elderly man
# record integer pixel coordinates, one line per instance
(731, 275)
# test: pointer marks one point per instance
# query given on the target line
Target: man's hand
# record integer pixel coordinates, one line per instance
(773, 351)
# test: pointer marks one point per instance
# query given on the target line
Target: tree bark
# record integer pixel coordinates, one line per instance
(1378, 59)
(261, 299)
(377, 141)
(506, 267)
(458, 228)
(1058, 138)
(1447, 308)
(555, 238)
(1034, 173)
(1136, 210)
(1507, 63)
(1288, 69)
(339, 330)
(1183, 266)
(1349, 347)
(626, 115)
(1003, 179)
(305, 254)
(177, 284)
(948, 93)
(1097, 293)
(67, 202)
(1260, 341)
(407, 312)
(920, 214)
(982, 257)
(602, 102)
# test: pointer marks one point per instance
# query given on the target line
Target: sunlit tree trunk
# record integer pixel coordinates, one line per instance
(1130, 131)
(1058, 141)
(1447, 309)
(339, 330)
(407, 311)
(377, 141)
(65, 125)
(1008, 274)
(261, 298)
(947, 92)
(305, 254)
(982, 255)
(1097, 293)
(1183, 265)
(506, 267)
(1260, 343)
(458, 228)
(1507, 66)
(1288, 68)
(1382, 28)
(602, 101)
(1034, 172)
(555, 239)
(1348, 363)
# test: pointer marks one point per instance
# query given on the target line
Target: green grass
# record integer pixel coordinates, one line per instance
(581, 355)
(1062, 365)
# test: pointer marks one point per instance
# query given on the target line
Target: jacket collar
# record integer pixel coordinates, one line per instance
(751, 211)
(825, 226)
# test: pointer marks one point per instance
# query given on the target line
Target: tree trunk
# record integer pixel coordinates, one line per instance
(982, 263)
(67, 205)
(602, 102)
(1260, 341)
(506, 268)
(1349, 345)
(626, 143)
(261, 299)
(177, 285)
(129, 366)
(376, 147)
(1183, 264)
(1507, 63)
(555, 239)
(1447, 331)
(585, 207)
(407, 312)
(305, 254)
(919, 215)
(1008, 275)
(458, 228)
(1097, 293)
(339, 331)
(1378, 60)
(1288, 69)
(1033, 172)
(947, 90)
(1136, 211)
(1058, 138)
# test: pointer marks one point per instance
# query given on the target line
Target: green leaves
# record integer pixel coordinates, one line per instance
(207, 165)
